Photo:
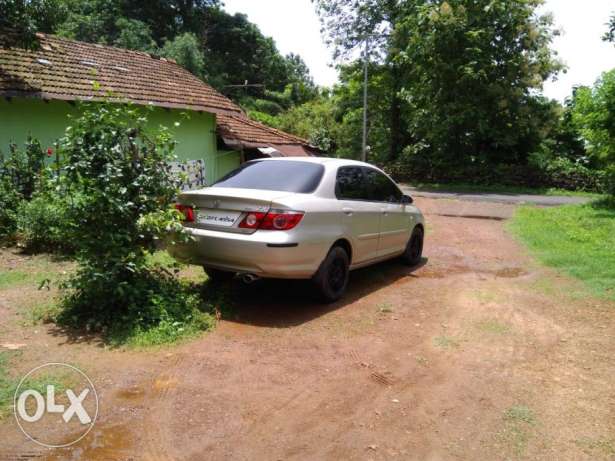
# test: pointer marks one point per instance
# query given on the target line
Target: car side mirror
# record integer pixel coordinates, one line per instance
(407, 200)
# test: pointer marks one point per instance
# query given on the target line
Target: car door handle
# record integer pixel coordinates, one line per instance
(348, 211)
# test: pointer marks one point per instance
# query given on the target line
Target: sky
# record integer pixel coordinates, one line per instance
(294, 26)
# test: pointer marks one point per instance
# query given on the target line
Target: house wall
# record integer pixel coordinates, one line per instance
(47, 121)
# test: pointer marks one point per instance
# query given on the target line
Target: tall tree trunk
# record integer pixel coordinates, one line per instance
(396, 137)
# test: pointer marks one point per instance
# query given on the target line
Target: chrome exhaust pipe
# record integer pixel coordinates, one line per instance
(249, 278)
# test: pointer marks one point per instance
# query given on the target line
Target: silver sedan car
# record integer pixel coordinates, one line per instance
(300, 218)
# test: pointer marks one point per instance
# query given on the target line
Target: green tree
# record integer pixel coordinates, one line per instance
(186, 51)
(594, 115)
(20, 176)
(348, 26)
(107, 21)
(121, 195)
(565, 139)
(169, 18)
(236, 51)
(93, 21)
(134, 35)
(472, 71)
(302, 87)
(610, 34)
(21, 19)
(315, 121)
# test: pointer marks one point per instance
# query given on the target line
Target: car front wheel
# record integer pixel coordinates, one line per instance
(331, 279)
(414, 249)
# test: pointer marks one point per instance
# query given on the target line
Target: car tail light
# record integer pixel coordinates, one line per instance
(274, 220)
(252, 220)
(187, 211)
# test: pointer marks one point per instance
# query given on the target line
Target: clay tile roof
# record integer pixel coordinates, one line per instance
(69, 70)
(248, 132)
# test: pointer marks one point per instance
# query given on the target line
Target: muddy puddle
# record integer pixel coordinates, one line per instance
(102, 444)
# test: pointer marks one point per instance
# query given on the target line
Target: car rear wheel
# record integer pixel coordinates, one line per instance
(414, 249)
(216, 275)
(331, 279)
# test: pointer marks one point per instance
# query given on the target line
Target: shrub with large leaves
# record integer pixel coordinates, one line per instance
(20, 175)
(121, 192)
(120, 173)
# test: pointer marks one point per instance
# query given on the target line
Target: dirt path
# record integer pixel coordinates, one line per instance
(491, 197)
(479, 354)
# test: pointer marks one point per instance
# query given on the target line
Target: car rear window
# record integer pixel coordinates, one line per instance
(285, 176)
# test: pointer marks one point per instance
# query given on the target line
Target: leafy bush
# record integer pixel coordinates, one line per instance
(146, 307)
(43, 224)
(121, 191)
(563, 173)
(560, 173)
(10, 202)
(268, 107)
(609, 180)
(185, 49)
(23, 168)
(20, 174)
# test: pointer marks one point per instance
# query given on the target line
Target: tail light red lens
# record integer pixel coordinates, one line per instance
(252, 220)
(281, 221)
(274, 220)
(187, 211)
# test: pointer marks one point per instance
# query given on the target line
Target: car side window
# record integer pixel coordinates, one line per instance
(350, 184)
(380, 187)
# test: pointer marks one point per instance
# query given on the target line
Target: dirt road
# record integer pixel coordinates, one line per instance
(478, 354)
(506, 198)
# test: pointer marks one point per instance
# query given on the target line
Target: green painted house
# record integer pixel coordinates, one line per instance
(39, 91)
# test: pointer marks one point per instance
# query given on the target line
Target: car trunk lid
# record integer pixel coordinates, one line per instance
(224, 208)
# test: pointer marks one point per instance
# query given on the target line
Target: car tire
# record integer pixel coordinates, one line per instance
(216, 275)
(414, 249)
(331, 279)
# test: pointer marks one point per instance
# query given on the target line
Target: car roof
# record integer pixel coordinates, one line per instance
(328, 161)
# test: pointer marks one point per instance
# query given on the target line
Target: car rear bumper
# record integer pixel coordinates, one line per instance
(269, 254)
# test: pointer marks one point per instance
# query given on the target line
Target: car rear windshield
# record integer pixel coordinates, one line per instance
(284, 175)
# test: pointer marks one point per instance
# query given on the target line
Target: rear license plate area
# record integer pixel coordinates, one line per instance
(218, 218)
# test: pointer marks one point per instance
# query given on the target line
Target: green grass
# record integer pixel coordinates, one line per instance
(518, 423)
(9, 383)
(186, 272)
(577, 239)
(169, 332)
(41, 313)
(493, 327)
(32, 272)
(446, 342)
(177, 314)
(520, 414)
(12, 278)
(498, 189)
(385, 308)
(606, 447)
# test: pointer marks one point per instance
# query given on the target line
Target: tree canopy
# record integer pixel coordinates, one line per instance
(594, 114)
(461, 77)
(610, 34)
(452, 82)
